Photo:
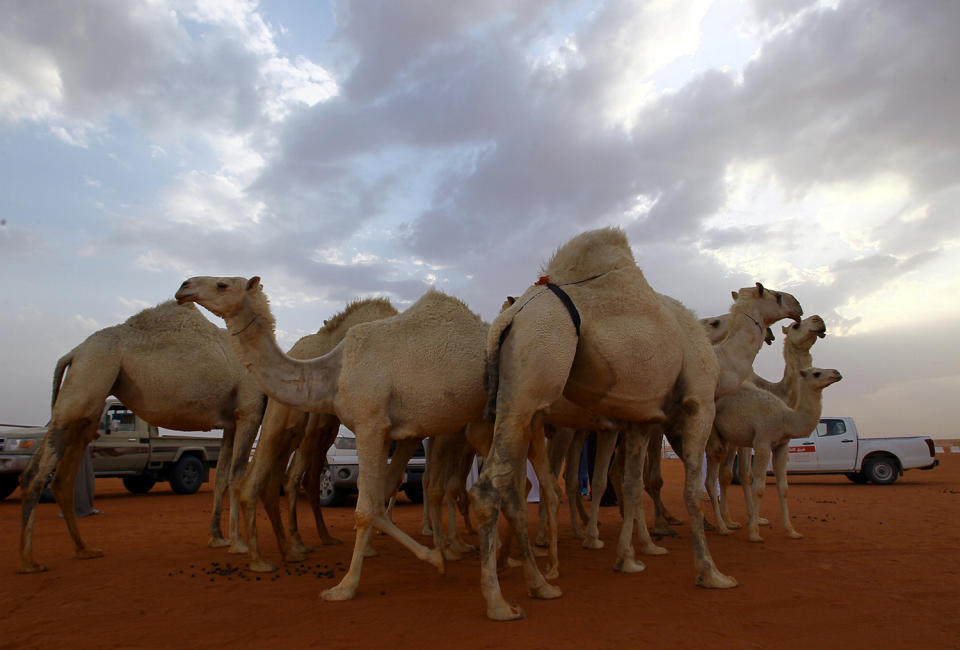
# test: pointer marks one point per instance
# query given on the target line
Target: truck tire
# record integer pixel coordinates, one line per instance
(881, 470)
(330, 497)
(8, 483)
(857, 477)
(187, 475)
(140, 484)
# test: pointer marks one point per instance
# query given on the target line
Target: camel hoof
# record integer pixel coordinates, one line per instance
(545, 591)
(238, 548)
(673, 521)
(593, 543)
(665, 531)
(505, 612)
(451, 554)
(551, 573)
(302, 548)
(763, 521)
(540, 552)
(32, 568)
(294, 555)
(653, 549)
(792, 534)
(369, 551)
(708, 526)
(541, 540)
(629, 565)
(734, 525)
(724, 531)
(437, 559)
(262, 566)
(331, 541)
(217, 542)
(756, 539)
(427, 531)
(337, 593)
(89, 553)
(716, 580)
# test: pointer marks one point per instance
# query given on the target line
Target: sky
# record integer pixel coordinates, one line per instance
(380, 147)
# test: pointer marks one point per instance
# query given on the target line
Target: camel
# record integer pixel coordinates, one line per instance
(411, 376)
(286, 429)
(745, 328)
(173, 368)
(717, 328)
(593, 331)
(753, 417)
(449, 459)
(798, 340)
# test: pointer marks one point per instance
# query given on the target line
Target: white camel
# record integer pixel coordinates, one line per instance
(414, 375)
(173, 368)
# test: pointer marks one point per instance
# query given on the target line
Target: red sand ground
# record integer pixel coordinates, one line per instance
(878, 566)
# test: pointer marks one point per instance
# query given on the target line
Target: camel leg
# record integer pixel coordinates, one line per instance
(246, 432)
(548, 495)
(32, 481)
(653, 484)
(433, 502)
(761, 457)
(297, 549)
(780, 456)
(647, 547)
(426, 526)
(577, 512)
(606, 441)
(557, 447)
(220, 482)
(456, 495)
(316, 459)
(725, 479)
(696, 427)
(63, 485)
(372, 481)
(630, 447)
(716, 453)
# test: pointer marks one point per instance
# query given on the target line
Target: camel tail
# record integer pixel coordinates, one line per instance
(58, 373)
(491, 374)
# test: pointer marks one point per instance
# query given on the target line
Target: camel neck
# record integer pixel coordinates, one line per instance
(735, 354)
(806, 413)
(305, 385)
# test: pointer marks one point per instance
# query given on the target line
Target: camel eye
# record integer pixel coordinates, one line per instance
(715, 323)
(796, 326)
(816, 374)
(779, 298)
(222, 286)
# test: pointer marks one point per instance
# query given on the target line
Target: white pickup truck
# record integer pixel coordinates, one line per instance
(835, 447)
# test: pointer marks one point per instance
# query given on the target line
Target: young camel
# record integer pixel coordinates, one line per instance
(414, 375)
(285, 429)
(753, 417)
(173, 368)
(623, 359)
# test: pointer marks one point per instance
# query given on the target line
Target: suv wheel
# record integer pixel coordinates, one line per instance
(187, 475)
(329, 495)
(8, 483)
(140, 484)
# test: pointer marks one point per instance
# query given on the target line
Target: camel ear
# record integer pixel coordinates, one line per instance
(715, 323)
(511, 300)
(804, 373)
(734, 294)
(759, 289)
(784, 328)
(253, 283)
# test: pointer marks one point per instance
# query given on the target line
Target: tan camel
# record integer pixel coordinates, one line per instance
(285, 429)
(717, 328)
(174, 369)
(620, 354)
(414, 375)
(753, 417)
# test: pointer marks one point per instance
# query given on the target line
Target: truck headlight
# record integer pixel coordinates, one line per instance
(12, 444)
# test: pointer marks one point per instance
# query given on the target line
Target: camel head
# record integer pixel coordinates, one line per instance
(716, 327)
(769, 305)
(819, 378)
(222, 296)
(805, 333)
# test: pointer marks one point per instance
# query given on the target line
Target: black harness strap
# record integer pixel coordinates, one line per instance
(568, 303)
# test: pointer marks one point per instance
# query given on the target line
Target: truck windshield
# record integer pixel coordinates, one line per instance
(123, 416)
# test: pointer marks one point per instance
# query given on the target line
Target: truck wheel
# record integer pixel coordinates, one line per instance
(330, 497)
(140, 484)
(187, 475)
(414, 491)
(8, 483)
(881, 470)
(857, 477)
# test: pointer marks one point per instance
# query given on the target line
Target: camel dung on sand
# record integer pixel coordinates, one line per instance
(170, 366)
(619, 353)
(414, 375)
(286, 429)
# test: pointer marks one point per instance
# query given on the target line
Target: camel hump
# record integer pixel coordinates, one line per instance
(588, 254)
(360, 310)
(170, 317)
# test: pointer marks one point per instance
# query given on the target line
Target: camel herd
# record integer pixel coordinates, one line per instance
(589, 347)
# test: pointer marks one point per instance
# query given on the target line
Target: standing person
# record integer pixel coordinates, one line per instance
(83, 488)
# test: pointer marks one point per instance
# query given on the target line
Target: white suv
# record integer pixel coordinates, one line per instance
(339, 479)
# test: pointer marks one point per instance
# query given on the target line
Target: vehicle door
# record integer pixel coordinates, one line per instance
(120, 446)
(836, 445)
(803, 453)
